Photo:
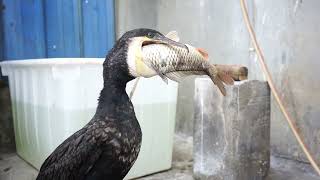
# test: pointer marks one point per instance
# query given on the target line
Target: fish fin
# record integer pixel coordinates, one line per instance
(174, 76)
(213, 74)
(227, 79)
(173, 35)
(204, 53)
(163, 77)
(178, 76)
(156, 70)
(220, 85)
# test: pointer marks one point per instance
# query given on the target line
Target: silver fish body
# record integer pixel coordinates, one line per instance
(175, 62)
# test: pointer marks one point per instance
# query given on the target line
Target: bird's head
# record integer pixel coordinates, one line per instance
(126, 55)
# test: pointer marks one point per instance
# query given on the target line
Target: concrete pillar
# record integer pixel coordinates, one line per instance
(232, 133)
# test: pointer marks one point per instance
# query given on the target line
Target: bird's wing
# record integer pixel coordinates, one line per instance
(76, 156)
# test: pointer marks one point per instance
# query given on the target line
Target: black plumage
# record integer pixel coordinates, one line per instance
(108, 145)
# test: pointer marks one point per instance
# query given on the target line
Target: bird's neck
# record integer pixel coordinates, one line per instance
(114, 101)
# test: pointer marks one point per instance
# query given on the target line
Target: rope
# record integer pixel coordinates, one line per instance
(134, 88)
(266, 71)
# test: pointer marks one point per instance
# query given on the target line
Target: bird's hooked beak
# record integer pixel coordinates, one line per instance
(158, 39)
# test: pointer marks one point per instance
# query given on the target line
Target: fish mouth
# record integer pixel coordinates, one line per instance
(163, 40)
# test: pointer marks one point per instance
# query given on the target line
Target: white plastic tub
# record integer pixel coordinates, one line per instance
(53, 98)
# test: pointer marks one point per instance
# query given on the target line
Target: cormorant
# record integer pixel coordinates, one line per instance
(106, 147)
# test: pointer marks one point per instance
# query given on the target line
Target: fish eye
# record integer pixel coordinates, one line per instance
(150, 35)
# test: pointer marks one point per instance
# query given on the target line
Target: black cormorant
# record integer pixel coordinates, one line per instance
(107, 147)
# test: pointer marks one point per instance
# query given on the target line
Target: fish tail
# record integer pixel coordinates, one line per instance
(236, 72)
(214, 75)
(227, 74)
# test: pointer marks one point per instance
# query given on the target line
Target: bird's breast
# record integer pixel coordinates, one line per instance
(127, 142)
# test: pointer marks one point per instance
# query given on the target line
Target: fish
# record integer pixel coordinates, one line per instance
(177, 62)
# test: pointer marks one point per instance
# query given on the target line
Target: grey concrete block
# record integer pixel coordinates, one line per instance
(232, 133)
(185, 107)
(7, 142)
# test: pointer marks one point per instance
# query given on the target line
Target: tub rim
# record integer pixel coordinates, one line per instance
(51, 62)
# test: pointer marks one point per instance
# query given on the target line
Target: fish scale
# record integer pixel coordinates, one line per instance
(165, 59)
(176, 62)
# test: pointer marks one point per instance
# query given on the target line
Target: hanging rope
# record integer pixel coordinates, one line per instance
(266, 71)
(134, 87)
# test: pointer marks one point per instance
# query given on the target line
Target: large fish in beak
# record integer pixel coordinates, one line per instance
(166, 57)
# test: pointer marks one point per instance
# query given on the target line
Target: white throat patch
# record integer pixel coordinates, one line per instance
(132, 55)
(136, 64)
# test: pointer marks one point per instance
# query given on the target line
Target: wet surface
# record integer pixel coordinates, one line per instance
(14, 168)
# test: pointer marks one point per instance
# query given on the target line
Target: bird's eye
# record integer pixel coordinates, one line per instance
(150, 35)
